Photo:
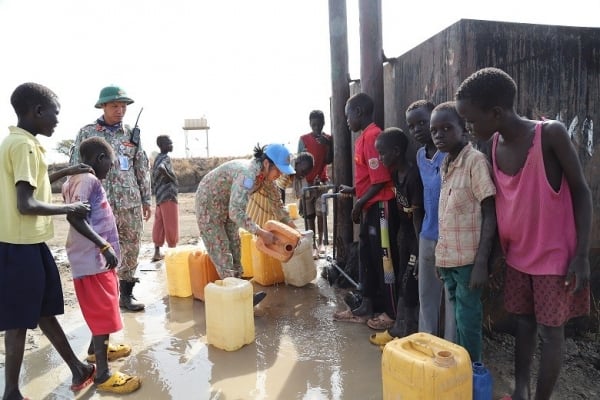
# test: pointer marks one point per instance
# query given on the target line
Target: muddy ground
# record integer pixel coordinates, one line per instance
(579, 379)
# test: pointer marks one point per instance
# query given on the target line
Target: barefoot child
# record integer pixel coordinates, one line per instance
(467, 224)
(93, 252)
(30, 286)
(544, 210)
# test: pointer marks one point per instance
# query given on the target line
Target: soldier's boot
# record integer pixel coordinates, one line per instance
(258, 297)
(126, 298)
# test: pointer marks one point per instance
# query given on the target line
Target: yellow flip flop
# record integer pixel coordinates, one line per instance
(120, 383)
(381, 338)
(114, 352)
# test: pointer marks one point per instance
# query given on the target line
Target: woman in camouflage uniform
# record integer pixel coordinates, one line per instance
(222, 198)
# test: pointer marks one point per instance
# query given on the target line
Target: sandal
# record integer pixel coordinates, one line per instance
(381, 339)
(120, 383)
(76, 387)
(347, 316)
(315, 254)
(380, 322)
(114, 352)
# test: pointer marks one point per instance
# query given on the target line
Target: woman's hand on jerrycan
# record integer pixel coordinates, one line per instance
(267, 237)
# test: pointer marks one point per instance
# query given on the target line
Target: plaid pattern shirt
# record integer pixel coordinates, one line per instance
(466, 182)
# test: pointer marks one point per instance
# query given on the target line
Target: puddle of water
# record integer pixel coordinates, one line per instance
(299, 351)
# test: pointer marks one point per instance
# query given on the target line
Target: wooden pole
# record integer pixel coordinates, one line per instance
(371, 55)
(342, 141)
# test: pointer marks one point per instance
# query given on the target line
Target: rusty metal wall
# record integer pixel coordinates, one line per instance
(556, 68)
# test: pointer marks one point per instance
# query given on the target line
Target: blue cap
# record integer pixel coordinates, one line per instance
(281, 157)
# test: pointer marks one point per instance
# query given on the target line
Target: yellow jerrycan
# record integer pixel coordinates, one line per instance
(267, 270)
(422, 366)
(292, 209)
(202, 272)
(178, 271)
(246, 253)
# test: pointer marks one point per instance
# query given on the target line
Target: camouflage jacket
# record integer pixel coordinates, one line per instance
(127, 184)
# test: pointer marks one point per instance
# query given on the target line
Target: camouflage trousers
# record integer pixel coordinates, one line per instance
(222, 243)
(130, 226)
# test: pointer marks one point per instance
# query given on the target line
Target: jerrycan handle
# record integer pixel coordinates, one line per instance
(442, 358)
(421, 347)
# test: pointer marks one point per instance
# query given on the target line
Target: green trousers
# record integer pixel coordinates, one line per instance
(468, 309)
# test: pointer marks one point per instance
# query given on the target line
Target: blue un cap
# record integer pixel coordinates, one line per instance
(281, 157)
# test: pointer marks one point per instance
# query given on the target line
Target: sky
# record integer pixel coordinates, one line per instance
(254, 69)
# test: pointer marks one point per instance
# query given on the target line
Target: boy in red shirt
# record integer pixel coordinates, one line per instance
(374, 209)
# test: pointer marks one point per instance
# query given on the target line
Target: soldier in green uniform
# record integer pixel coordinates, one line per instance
(127, 184)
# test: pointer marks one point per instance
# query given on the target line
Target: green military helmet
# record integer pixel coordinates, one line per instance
(112, 93)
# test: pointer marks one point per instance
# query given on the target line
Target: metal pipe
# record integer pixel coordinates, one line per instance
(316, 187)
(324, 198)
(341, 271)
(325, 211)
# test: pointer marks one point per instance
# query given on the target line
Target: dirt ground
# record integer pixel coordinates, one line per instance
(579, 379)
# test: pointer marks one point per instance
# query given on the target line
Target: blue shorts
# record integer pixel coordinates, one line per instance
(30, 285)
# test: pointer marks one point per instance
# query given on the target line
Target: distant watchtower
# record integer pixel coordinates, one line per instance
(195, 125)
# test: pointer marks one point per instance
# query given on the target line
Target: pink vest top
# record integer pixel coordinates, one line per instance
(535, 223)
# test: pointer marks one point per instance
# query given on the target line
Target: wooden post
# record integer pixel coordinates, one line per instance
(342, 142)
(371, 55)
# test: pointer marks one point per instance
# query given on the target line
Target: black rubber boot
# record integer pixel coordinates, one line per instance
(258, 297)
(126, 298)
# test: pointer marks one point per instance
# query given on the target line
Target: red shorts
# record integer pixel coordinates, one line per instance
(544, 296)
(98, 297)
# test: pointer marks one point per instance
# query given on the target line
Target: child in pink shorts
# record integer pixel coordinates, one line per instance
(544, 209)
(93, 252)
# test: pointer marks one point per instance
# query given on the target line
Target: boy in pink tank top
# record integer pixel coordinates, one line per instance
(540, 187)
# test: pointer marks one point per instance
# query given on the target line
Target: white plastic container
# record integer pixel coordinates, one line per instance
(300, 270)
(229, 313)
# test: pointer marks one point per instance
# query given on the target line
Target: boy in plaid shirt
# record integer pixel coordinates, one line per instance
(467, 224)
